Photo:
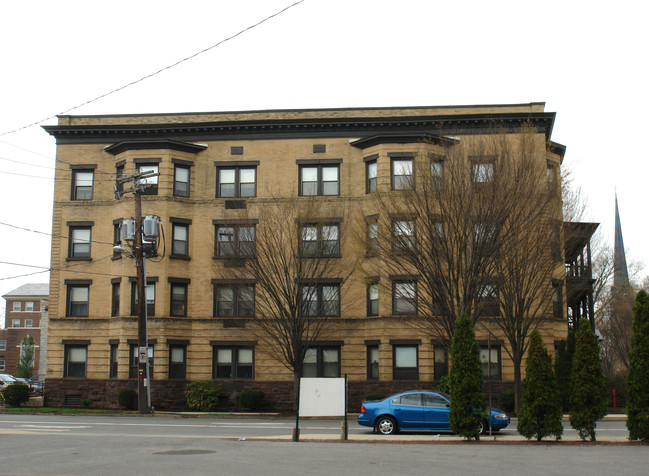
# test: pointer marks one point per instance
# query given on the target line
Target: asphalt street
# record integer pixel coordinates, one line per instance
(170, 444)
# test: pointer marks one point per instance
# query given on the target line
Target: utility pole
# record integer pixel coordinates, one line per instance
(143, 378)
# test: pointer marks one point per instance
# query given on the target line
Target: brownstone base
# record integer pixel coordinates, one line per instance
(170, 394)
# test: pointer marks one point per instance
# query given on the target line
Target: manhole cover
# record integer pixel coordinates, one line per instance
(184, 452)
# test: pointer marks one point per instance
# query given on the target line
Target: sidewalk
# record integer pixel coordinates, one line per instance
(509, 437)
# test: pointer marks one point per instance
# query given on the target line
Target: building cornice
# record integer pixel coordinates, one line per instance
(287, 128)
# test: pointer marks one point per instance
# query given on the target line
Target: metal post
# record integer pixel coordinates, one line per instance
(346, 424)
(489, 379)
(296, 430)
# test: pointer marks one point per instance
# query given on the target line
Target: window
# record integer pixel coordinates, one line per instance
(403, 235)
(180, 240)
(373, 299)
(77, 300)
(233, 362)
(437, 173)
(178, 306)
(404, 297)
(235, 241)
(82, 183)
(234, 299)
(79, 242)
(319, 180)
(488, 301)
(432, 400)
(17, 306)
(490, 361)
(557, 299)
(150, 183)
(555, 241)
(2, 365)
(482, 169)
(112, 370)
(321, 300)
(372, 362)
(405, 360)
(150, 299)
(441, 362)
(551, 174)
(372, 236)
(29, 306)
(135, 359)
(320, 240)
(15, 323)
(371, 174)
(177, 362)
(236, 181)
(321, 362)
(117, 238)
(402, 176)
(181, 181)
(3, 345)
(114, 306)
(76, 358)
(484, 234)
(119, 185)
(29, 323)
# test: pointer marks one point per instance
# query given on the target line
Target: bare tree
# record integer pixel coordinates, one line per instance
(526, 264)
(437, 232)
(475, 228)
(615, 327)
(298, 278)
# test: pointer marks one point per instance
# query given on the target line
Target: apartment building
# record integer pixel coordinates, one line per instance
(25, 315)
(219, 176)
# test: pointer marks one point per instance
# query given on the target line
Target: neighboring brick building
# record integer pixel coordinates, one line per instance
(26, 314)
(212, 166)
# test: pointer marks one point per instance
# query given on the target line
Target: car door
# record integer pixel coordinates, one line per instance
(409, 411)
(436, 411)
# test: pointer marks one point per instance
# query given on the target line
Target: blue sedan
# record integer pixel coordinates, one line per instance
(417, 410)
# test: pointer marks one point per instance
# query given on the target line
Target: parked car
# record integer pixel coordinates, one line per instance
(36, 384)
(6, 379)
(417, 410)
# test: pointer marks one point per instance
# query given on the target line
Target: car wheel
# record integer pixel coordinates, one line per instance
(483, 427)
(386, 425)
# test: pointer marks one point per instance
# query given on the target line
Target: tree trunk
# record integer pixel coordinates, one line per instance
(518, 385)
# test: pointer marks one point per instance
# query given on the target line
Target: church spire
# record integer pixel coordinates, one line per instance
(620, 271)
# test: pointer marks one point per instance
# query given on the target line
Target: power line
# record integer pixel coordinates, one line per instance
(60, 268)
(156, 72)
(25, 265)
(51, 235)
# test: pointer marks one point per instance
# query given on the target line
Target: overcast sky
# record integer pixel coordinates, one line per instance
(586, 60)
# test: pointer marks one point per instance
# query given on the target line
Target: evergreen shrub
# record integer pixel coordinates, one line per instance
(638, 384)
(202, 395)
(507, 401)
(127, 399)
(467, 408)
(588, 399)
(375, 396)
(252, 399)
(16, 394)
(540, 413)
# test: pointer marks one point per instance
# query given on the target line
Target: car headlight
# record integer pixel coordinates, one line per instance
(502, 416)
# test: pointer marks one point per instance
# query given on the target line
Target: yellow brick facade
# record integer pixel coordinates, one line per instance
(274, 141)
